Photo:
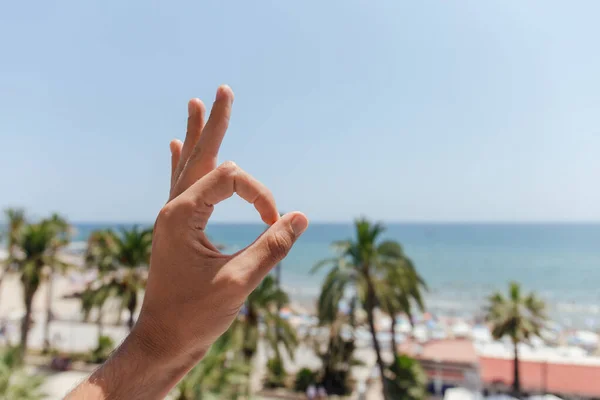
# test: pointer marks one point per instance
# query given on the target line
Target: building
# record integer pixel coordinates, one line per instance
(447, 363)
(489, 368)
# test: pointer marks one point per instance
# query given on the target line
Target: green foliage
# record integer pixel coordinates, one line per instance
(406, 380)
(15, 221)
(121, 260)
(337, 360)
(276, 373)
(33, 255)
(262, 305)
(15, 384)
(101, 353)
(517, 316)
(304, 378)
(402, 289)
(222, 374)
(372, 273)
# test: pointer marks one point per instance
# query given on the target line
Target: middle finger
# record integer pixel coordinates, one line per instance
(203, 158)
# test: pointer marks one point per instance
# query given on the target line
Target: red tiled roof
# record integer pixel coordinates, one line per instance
(446, 350)
(568, 379)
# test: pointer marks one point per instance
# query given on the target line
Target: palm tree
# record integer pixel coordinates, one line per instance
(15, 383)
(95, 297)
(219, 375)
(262, 305)
(62, 238)
(361, 264)
(122, 261)
(16, 221)
(518, 317)
(408, 380)
(402, 291)
(38, 245)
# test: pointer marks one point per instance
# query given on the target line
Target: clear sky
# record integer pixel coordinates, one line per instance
(401, 111)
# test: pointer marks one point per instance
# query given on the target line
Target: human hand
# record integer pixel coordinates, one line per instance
(194, 292)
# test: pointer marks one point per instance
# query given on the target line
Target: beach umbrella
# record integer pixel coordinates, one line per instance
(420, 333)
(461, 329)
(285, 313)
(501, 397)
(384, 323)
(438, 334)
(481, 334)
(544, 397)
(585, 339)
(459, 393)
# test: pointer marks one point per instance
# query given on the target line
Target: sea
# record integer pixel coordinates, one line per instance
(461, 263)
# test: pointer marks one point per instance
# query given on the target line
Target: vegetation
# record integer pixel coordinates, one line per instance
(15, 383)
(364, 265)
(276, 374)
(406, 379)
(101, 353)
(337, 359)
(121, 261)
(221, 374)
(367, 273)
(62, 239)
(261, 306)
(304, 378)
(15, 218)
(401, 291)
(34, 256)
(518, 317)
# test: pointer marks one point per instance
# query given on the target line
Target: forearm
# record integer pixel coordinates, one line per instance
(136, 370)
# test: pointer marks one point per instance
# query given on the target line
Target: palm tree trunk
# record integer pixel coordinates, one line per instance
(26, 322)
(251, 324)
(279, 305)
(370, 306)
(49, 293)
(131, 306)
(99, 324)
(516, 378)
(4, 271)
(393, 333)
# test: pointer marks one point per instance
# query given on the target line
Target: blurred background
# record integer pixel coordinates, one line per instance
(455, 143)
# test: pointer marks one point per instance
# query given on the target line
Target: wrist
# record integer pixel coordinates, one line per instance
(140, 368)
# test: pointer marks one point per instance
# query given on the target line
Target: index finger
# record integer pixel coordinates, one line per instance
(203, 158)
(222, 183)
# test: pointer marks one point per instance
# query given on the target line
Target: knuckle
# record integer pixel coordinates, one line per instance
(237, 281)
(165, 214)
(174, 210)
(228, 168)
(279, 244)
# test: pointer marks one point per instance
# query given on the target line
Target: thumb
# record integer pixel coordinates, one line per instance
(273, 245)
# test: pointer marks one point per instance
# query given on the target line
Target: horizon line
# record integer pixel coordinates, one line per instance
(394, 222)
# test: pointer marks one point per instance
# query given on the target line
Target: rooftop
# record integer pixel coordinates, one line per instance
(559, 378)
(447, 350)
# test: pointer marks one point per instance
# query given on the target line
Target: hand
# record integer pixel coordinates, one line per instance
(193, 292)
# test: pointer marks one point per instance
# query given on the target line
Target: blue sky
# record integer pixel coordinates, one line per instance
(401, 111)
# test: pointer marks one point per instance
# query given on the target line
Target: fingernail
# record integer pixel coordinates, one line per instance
(299, 224)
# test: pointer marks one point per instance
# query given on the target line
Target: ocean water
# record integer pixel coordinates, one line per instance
(462, 263)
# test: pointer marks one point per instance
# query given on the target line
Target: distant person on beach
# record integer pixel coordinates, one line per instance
(321, 393)
(311, 392)
(193, 292)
